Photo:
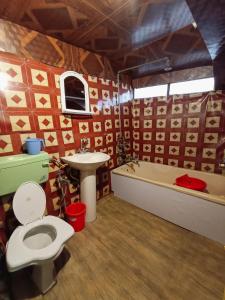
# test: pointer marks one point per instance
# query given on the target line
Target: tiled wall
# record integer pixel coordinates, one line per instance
(185, 131)
(30, 107)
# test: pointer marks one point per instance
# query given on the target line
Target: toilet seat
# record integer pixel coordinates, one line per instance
(29, 202)
(18, 255)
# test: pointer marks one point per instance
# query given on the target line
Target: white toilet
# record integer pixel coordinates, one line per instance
(39, 240)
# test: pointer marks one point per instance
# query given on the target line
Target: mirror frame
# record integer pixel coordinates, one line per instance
(87, 110)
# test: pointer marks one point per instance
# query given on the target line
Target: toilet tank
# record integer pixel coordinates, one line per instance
(16, 169)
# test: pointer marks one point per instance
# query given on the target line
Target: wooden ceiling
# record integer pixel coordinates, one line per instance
(128, 32)
(210, 17)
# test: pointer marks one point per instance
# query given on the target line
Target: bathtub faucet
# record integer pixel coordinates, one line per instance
(131, 166)
(133, 160)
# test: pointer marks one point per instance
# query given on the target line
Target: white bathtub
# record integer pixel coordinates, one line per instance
(151, 187)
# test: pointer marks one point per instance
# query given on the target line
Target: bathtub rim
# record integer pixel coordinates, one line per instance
(209, 197)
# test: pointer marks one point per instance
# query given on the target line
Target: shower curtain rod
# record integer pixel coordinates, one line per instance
(141, 65)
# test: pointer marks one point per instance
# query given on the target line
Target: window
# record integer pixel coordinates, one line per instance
(192, 86)
(184, 87)
(151, 91)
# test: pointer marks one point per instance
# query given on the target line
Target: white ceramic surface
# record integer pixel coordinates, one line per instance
(40, 240)
(87, 163)
(29, 202)
(151, 188)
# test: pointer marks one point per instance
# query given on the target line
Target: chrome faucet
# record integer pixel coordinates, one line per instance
(131, 166)
(133, 160)
(83, 145)
(130, 161)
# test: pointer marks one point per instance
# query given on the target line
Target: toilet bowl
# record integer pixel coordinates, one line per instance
(39, 240)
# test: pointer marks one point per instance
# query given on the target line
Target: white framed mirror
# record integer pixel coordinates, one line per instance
(74, 93)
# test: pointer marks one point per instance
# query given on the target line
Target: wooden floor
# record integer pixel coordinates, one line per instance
(128, 253)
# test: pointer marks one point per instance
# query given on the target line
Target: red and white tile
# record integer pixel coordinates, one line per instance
(5, 144)
(39, 77)
(208, 167)
(192, 137)
(95, 109)
(20, 123)
(148, 111)
(147, 124)
(83, 127)
(146, 148)
(98, 141)
(147, 136)
(209, 153)
(161, 110)
(105, 95)
(15, 99)
(190, 151)
(97, 126)
(177, 109)
(174, 150)
(136, 124)
(175, 136)
(161, 123)
(193, 122)
(211, 138)
(126, 123)
(13, 72)
(194, 107)
(42, 100)
(160, 136)
(109, 138)
(175, 123)
(189, 165)
(173, 162)
(212, 122)
(68, 137)
(51, 139)
(159, 149)
(158, 160)
(93, 93)
(136, 135)
(214, 106)
(45, 122)
(65, 121)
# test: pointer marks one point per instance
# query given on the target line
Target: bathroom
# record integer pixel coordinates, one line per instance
(153, 83)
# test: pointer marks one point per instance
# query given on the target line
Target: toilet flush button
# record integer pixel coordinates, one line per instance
(29, 202)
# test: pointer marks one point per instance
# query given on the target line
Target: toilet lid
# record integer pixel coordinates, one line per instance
(29, 202)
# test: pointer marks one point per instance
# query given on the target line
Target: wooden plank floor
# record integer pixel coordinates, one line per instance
(128, 253)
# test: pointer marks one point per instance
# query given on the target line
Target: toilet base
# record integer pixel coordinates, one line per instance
(44, 276)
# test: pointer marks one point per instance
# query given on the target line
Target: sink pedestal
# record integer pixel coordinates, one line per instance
(87, 163)
(88, 193)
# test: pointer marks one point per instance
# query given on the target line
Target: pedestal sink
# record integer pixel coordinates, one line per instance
(87, 163)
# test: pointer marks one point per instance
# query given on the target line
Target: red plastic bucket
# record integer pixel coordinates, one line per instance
(75, 214)
(191, 183)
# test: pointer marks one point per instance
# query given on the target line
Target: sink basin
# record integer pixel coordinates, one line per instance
(86, 161)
